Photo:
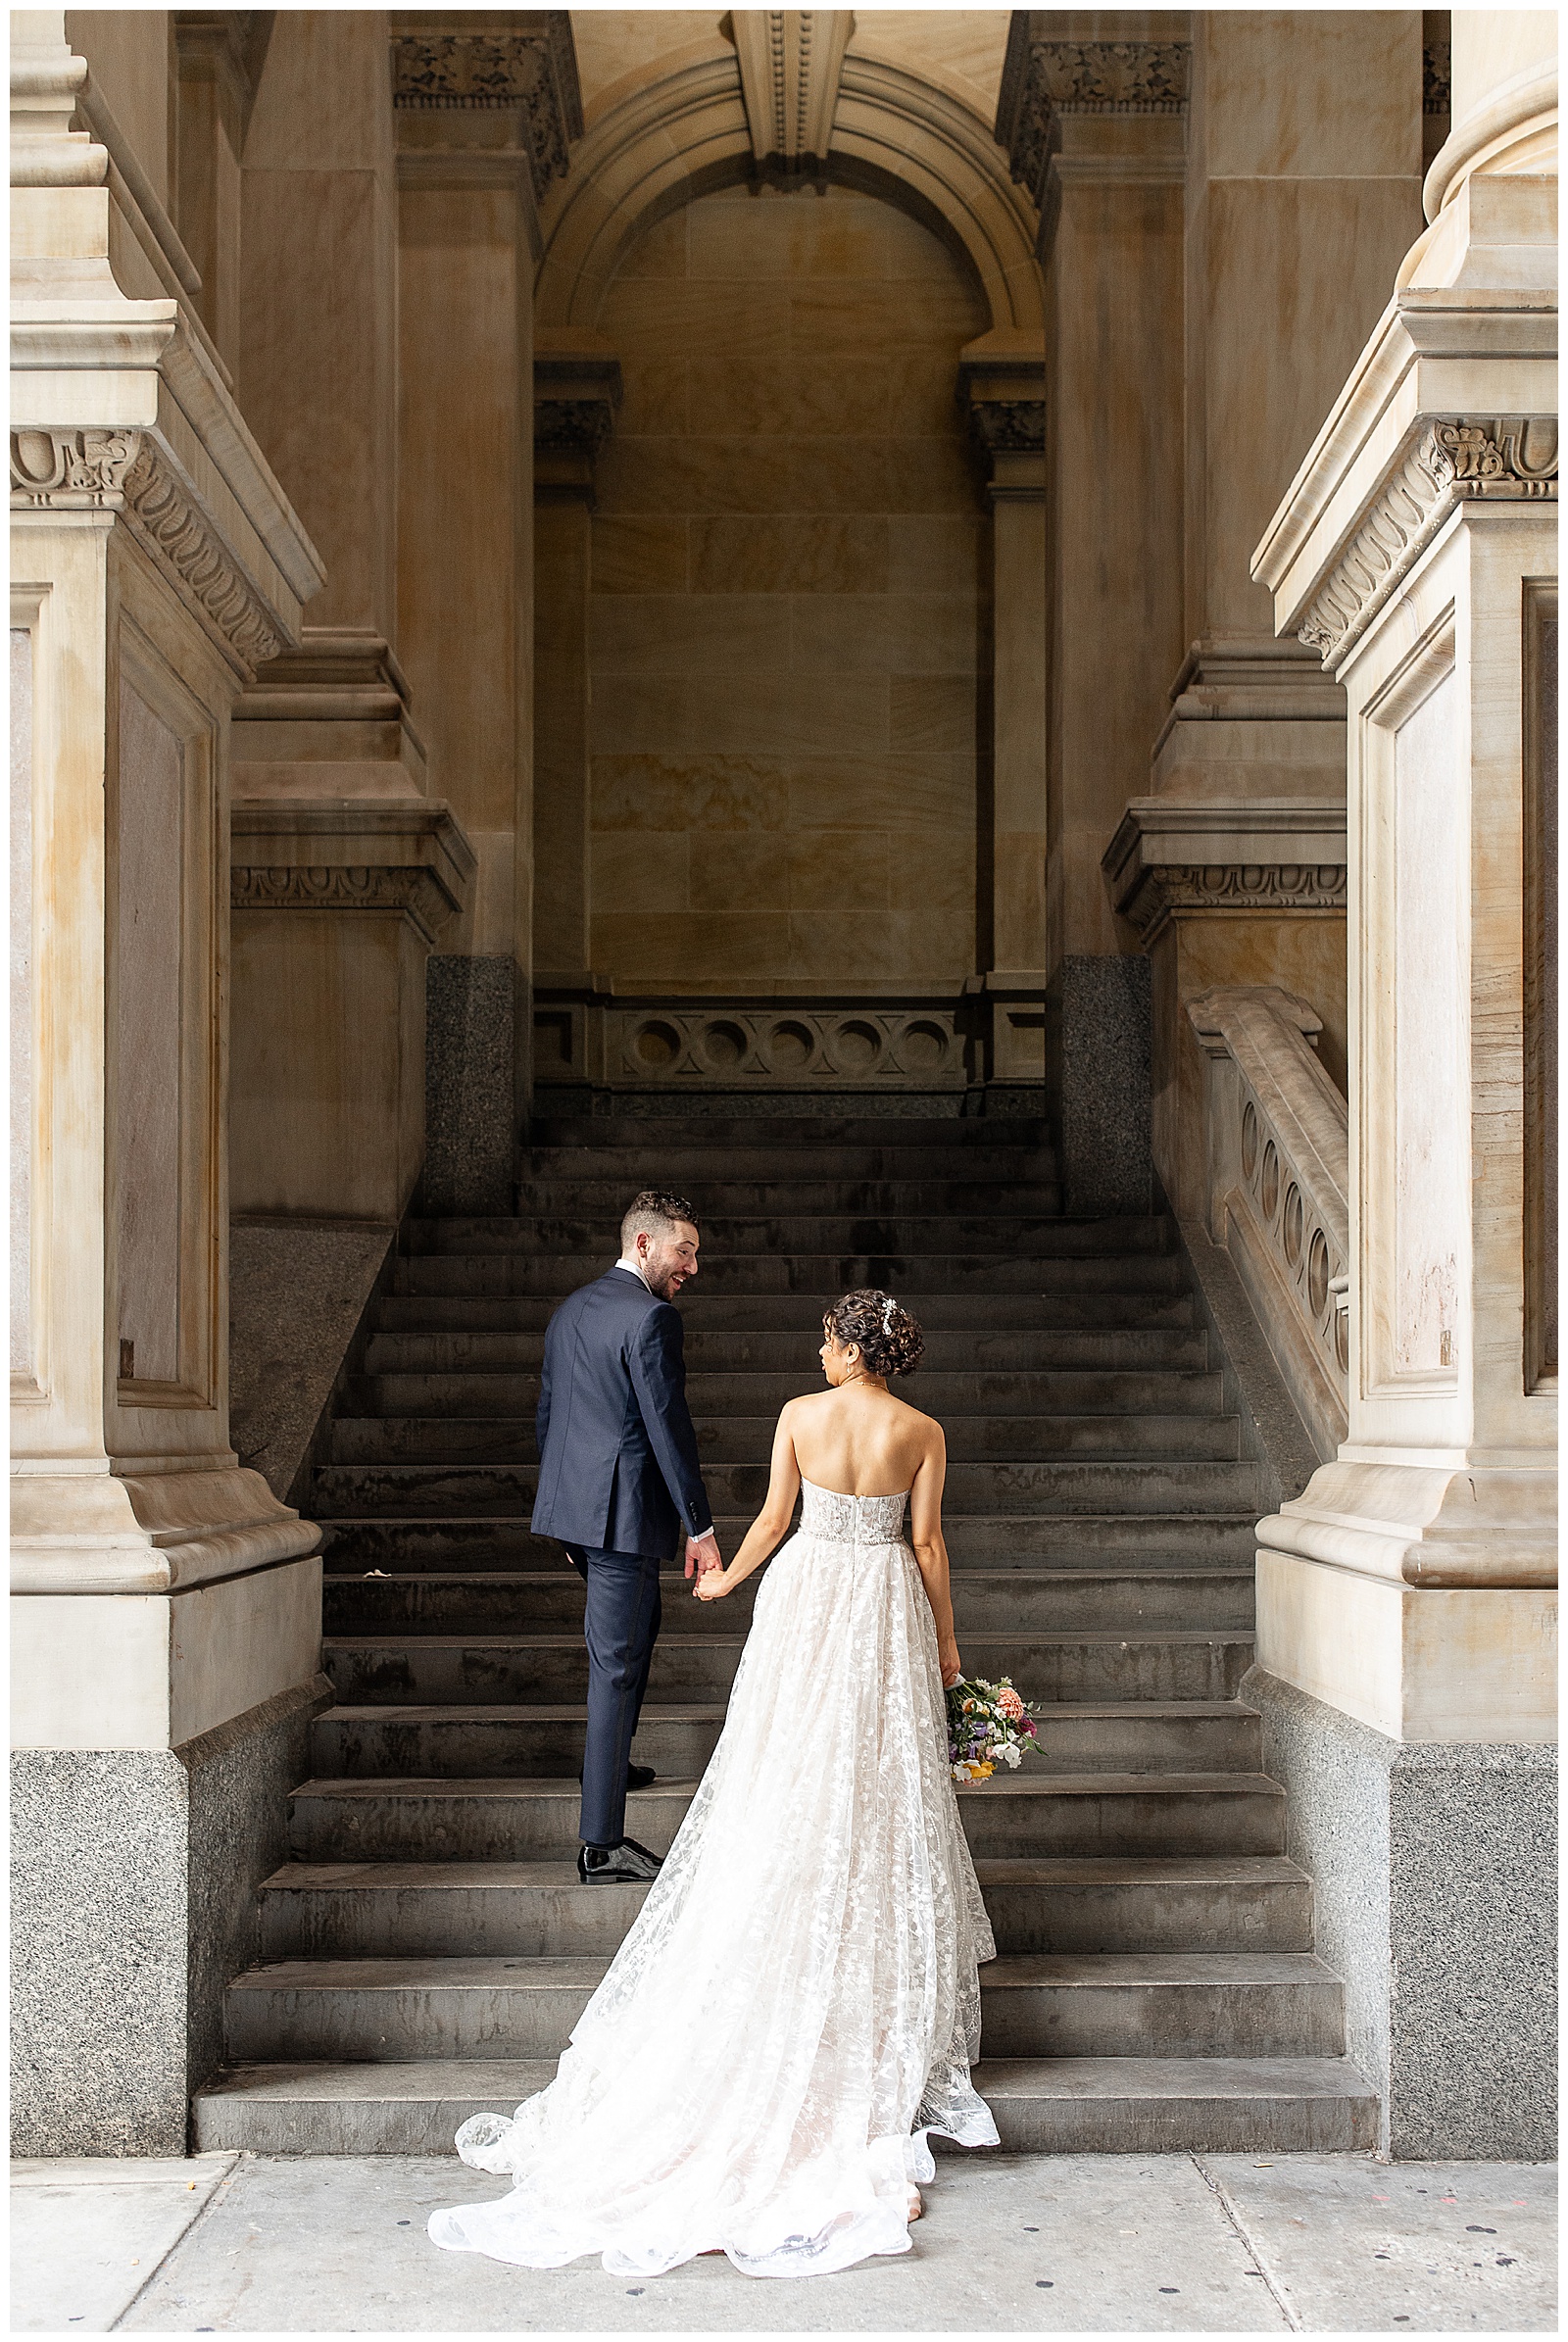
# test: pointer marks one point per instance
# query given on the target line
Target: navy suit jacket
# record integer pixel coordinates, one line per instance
(617, 1454)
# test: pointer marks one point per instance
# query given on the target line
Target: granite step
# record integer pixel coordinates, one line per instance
(496, 1602)
(817, 1235)
(544, 1670)
(1078, 1486)
(1061, 2004)
(797, 1314)
(784, 1192)
(957, 1357)
(495, 1907)
(554, 1275)
(1152, 1540)
(1057, 2106)
(393, 1819)
(741, 1440)
(952, 1398)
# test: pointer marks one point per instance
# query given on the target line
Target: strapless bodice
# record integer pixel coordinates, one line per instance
(841, 1520)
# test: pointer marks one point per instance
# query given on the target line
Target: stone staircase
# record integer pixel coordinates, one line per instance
(428, 1949)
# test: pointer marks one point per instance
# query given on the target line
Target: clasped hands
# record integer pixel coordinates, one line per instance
(703, 1557)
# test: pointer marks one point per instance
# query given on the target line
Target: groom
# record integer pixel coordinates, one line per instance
(618, 1474)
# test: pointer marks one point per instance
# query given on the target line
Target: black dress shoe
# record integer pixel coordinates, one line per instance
(626, 1864)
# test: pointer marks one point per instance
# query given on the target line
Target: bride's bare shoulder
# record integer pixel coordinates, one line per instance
(927, 1425)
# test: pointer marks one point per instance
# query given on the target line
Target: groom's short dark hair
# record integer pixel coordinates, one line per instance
(655, 1213)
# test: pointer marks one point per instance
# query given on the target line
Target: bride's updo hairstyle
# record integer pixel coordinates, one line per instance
(887, 1337)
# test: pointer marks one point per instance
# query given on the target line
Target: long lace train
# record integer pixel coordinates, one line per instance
(798, 2004)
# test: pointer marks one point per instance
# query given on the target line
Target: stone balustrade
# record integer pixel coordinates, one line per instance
(1278, 1164)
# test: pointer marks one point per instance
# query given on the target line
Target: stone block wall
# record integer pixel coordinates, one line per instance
(788, 627)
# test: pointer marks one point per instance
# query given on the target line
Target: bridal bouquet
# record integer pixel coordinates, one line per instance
(988, 1725)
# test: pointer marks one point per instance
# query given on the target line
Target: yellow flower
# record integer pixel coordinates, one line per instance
(981, 1772)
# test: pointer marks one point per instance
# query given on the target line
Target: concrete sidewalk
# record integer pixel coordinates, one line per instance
(1011, 2243)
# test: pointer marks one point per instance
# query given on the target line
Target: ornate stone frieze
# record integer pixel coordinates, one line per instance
(1178, 887)
(405, 856)
(288, 886)
(1172, 857)
(572, 426)
(1043, 80)
(124, 472)
(1437, 83)
(781, 1043)
(1505, 457)
(70, 469)
(1009, 426)
(531, 66)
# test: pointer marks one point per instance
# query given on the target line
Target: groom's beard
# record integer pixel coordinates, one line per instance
(667, 1281)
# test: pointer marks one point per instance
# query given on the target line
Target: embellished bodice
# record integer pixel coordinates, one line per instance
(841, 1520)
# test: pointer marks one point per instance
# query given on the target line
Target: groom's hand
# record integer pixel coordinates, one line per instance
(703, 1554)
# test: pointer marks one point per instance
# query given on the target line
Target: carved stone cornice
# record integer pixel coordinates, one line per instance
(576, 392)
(530, 67)
(1173, 858)
(1012, 426)
(571, 426)
(1436, 76)
(1503, 458)
(130, 472)
(406, 856)
(1001, 384)
(1043, 80)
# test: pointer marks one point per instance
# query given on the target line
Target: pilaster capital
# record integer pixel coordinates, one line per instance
(1001, 386)
(1044, 79)
(404, 856)
(441, 64)
(576, 394)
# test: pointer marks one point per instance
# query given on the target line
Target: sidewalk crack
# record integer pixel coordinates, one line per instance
(222, 2189)
(1275, 2284)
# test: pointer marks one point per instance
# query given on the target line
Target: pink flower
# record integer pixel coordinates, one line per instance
(1010, 1704)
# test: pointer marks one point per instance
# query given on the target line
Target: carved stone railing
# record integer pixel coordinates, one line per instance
(587, 1031)
(1278, 1157)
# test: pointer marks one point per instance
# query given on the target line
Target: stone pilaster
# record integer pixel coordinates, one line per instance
(576, 390)
(1001, 377)
(165, 1608)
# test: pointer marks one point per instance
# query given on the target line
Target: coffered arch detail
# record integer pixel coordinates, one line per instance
(684, 134)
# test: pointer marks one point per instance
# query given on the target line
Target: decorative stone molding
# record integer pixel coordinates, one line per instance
(790, 63)
(1171, 859)
(1012, 426)
(127, 472)
(1043, 80)
(1508, 457)
(408, 857)
(585, 1033)
(70, 470)
(1436, 76)
(1279, 1168)
(531, 67)
(572, 426)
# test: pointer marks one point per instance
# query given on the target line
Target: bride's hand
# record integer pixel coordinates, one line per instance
(948, 1662)
(711, 1585)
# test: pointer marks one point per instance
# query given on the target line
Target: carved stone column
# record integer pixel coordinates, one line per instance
(1406, 1618)
(1001, 377)
(165, 1613)
(576, 390)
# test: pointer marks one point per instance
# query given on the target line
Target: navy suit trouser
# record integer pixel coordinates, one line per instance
(621, 1623)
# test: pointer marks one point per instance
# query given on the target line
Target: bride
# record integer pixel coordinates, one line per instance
(798, 2003)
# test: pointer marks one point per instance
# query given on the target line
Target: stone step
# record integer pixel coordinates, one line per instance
(1135, 1485)
(1058, 2106)
(1152, 1540)
(530, 1910)
(952, 1398)
(495, 1602)
(906, 1273)
(528, 1757)
(960, 1356)
(387, 1818)
(778, 1191)
(741, 1440)
(659, 1148)
(506, 1907)
(1061, 2004)
(543, 1670)
(800, 1314)
(816, 1235)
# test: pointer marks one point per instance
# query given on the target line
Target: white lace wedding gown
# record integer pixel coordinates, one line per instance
(798, 2002)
